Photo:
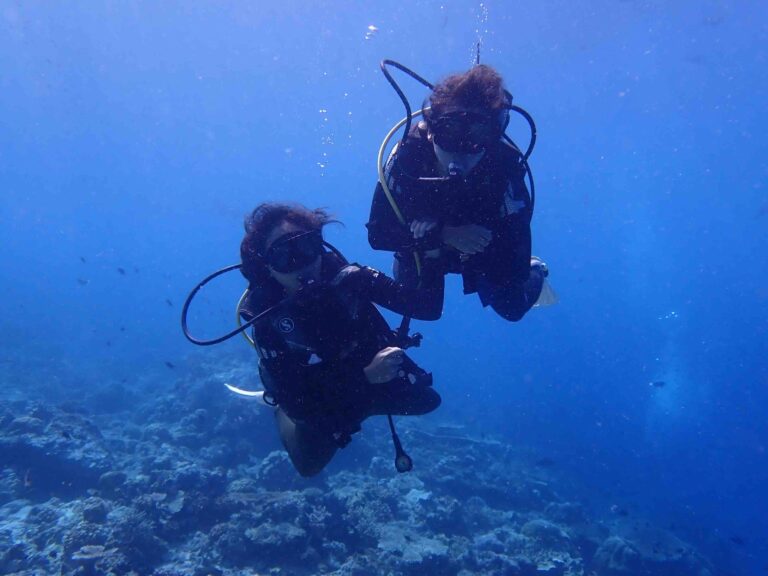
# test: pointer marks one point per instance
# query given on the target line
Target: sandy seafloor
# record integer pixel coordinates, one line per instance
(184, 478)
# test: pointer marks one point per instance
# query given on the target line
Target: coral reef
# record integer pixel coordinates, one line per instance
(192, 482)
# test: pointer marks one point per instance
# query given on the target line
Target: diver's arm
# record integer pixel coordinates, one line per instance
(423, 303)
(386, 232)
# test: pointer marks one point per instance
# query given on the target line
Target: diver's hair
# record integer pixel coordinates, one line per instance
(480, 88)
(260, 223)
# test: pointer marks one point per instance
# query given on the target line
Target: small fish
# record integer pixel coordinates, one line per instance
(109, 343)
(82, 259)
(83, 281)
(545, 462)
(122, 328)
(713, 20)
(122, 271)
(372, 30)
(168, 301)
(28, 478)
(170, 365)
(657, 383)
(619, 511)
(738, 540)
(136, 270)
(66, 435)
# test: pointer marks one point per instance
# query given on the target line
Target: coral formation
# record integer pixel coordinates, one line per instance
(194, 483)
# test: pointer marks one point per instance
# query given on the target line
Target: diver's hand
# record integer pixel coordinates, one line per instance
(468, 238)
(385, 365)
(346, 274)
(419, 228)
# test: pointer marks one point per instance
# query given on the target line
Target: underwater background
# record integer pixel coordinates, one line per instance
(135, 136)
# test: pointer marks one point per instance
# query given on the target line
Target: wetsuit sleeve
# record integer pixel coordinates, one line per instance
(385, 231)
(422, 303)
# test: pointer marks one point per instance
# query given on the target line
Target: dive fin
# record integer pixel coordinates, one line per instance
(547, 296)
(249, 394)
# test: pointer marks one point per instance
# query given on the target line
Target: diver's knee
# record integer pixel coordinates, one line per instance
(307, 469)
(513, 303)
(404, 269)
(512, 312)
(309, 459)
(434, 401)
(429, 401)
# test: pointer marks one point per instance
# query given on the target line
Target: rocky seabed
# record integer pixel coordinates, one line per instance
(192, 482)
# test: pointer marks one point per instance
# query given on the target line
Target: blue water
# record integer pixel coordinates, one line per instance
(135, 136)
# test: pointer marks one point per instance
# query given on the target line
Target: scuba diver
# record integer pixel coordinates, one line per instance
(328, 359)
(452, 196)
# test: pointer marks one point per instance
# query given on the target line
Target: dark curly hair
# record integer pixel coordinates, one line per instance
(479, 88)
(260, 223)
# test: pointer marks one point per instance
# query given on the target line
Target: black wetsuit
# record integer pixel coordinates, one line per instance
(492, 195)
(313, 347)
